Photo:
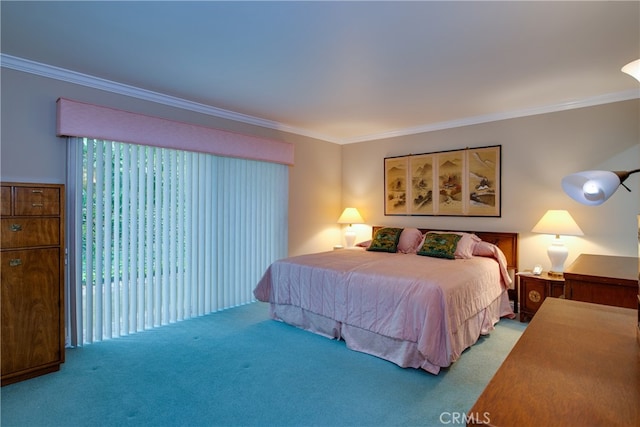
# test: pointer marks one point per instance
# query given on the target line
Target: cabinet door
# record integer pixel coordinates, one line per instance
(556, 289)
(533, 294)
(31, 309)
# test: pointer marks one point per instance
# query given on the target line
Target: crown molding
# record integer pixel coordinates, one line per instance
(57, 73)
(570, 105)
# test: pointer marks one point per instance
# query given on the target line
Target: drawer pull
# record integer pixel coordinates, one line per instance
(37, 191)
(15, 262)
(37, 205)
(15, 227)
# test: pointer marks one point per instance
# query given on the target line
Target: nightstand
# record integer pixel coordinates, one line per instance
(534, 289)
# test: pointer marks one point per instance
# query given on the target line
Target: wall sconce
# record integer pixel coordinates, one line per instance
(594, 187)
(350, 216)
(557, 222)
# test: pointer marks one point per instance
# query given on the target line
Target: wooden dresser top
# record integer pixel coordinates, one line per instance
(576, 364)
(604, 266)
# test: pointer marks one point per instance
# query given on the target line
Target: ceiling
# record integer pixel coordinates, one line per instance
(340, 71)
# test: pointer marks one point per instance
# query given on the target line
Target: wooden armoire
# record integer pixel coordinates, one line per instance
(32, 279)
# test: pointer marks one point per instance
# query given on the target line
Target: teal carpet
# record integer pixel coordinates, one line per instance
(239, 368)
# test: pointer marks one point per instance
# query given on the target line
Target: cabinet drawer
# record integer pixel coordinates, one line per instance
(615, 294)
(5, 201)
(36, 201)
(28, 232)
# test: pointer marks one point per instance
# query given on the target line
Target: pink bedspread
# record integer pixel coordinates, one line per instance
(407, 297)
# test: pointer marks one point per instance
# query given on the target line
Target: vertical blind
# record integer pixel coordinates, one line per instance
(162, 235)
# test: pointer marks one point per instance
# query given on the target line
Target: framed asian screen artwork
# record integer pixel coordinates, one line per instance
(456, 183)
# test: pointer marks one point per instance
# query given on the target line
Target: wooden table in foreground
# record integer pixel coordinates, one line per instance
(576, 364)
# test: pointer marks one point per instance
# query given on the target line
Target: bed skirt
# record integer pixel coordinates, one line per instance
(403, 353)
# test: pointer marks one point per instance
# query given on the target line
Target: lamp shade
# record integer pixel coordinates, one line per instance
(633, 69)
(350, 216)
(593, 187)
(558, 222)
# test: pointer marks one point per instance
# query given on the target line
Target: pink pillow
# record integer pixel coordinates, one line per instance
(487, 249)
(410, 240)
(484, 249)
(364, 244)
(466, 244)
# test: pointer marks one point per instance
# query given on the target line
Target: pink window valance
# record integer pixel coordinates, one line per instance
(91, 121)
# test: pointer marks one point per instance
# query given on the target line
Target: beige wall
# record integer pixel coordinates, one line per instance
(30, 151)
(537, 152)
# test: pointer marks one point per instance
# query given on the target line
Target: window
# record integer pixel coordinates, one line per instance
(159, 235)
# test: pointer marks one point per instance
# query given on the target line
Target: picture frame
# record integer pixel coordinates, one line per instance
(464, 182)
(395, 188)
(422, 182)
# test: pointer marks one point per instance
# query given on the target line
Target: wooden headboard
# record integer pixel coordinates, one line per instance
(506, 241)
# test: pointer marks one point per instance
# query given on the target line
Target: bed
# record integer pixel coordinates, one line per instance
(417, 304)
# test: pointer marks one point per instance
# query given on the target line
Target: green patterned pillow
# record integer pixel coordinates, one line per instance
(385, 240)
(439, 245)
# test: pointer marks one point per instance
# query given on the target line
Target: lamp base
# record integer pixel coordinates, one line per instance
(350, 237)
(555, 273)
(558, 254)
